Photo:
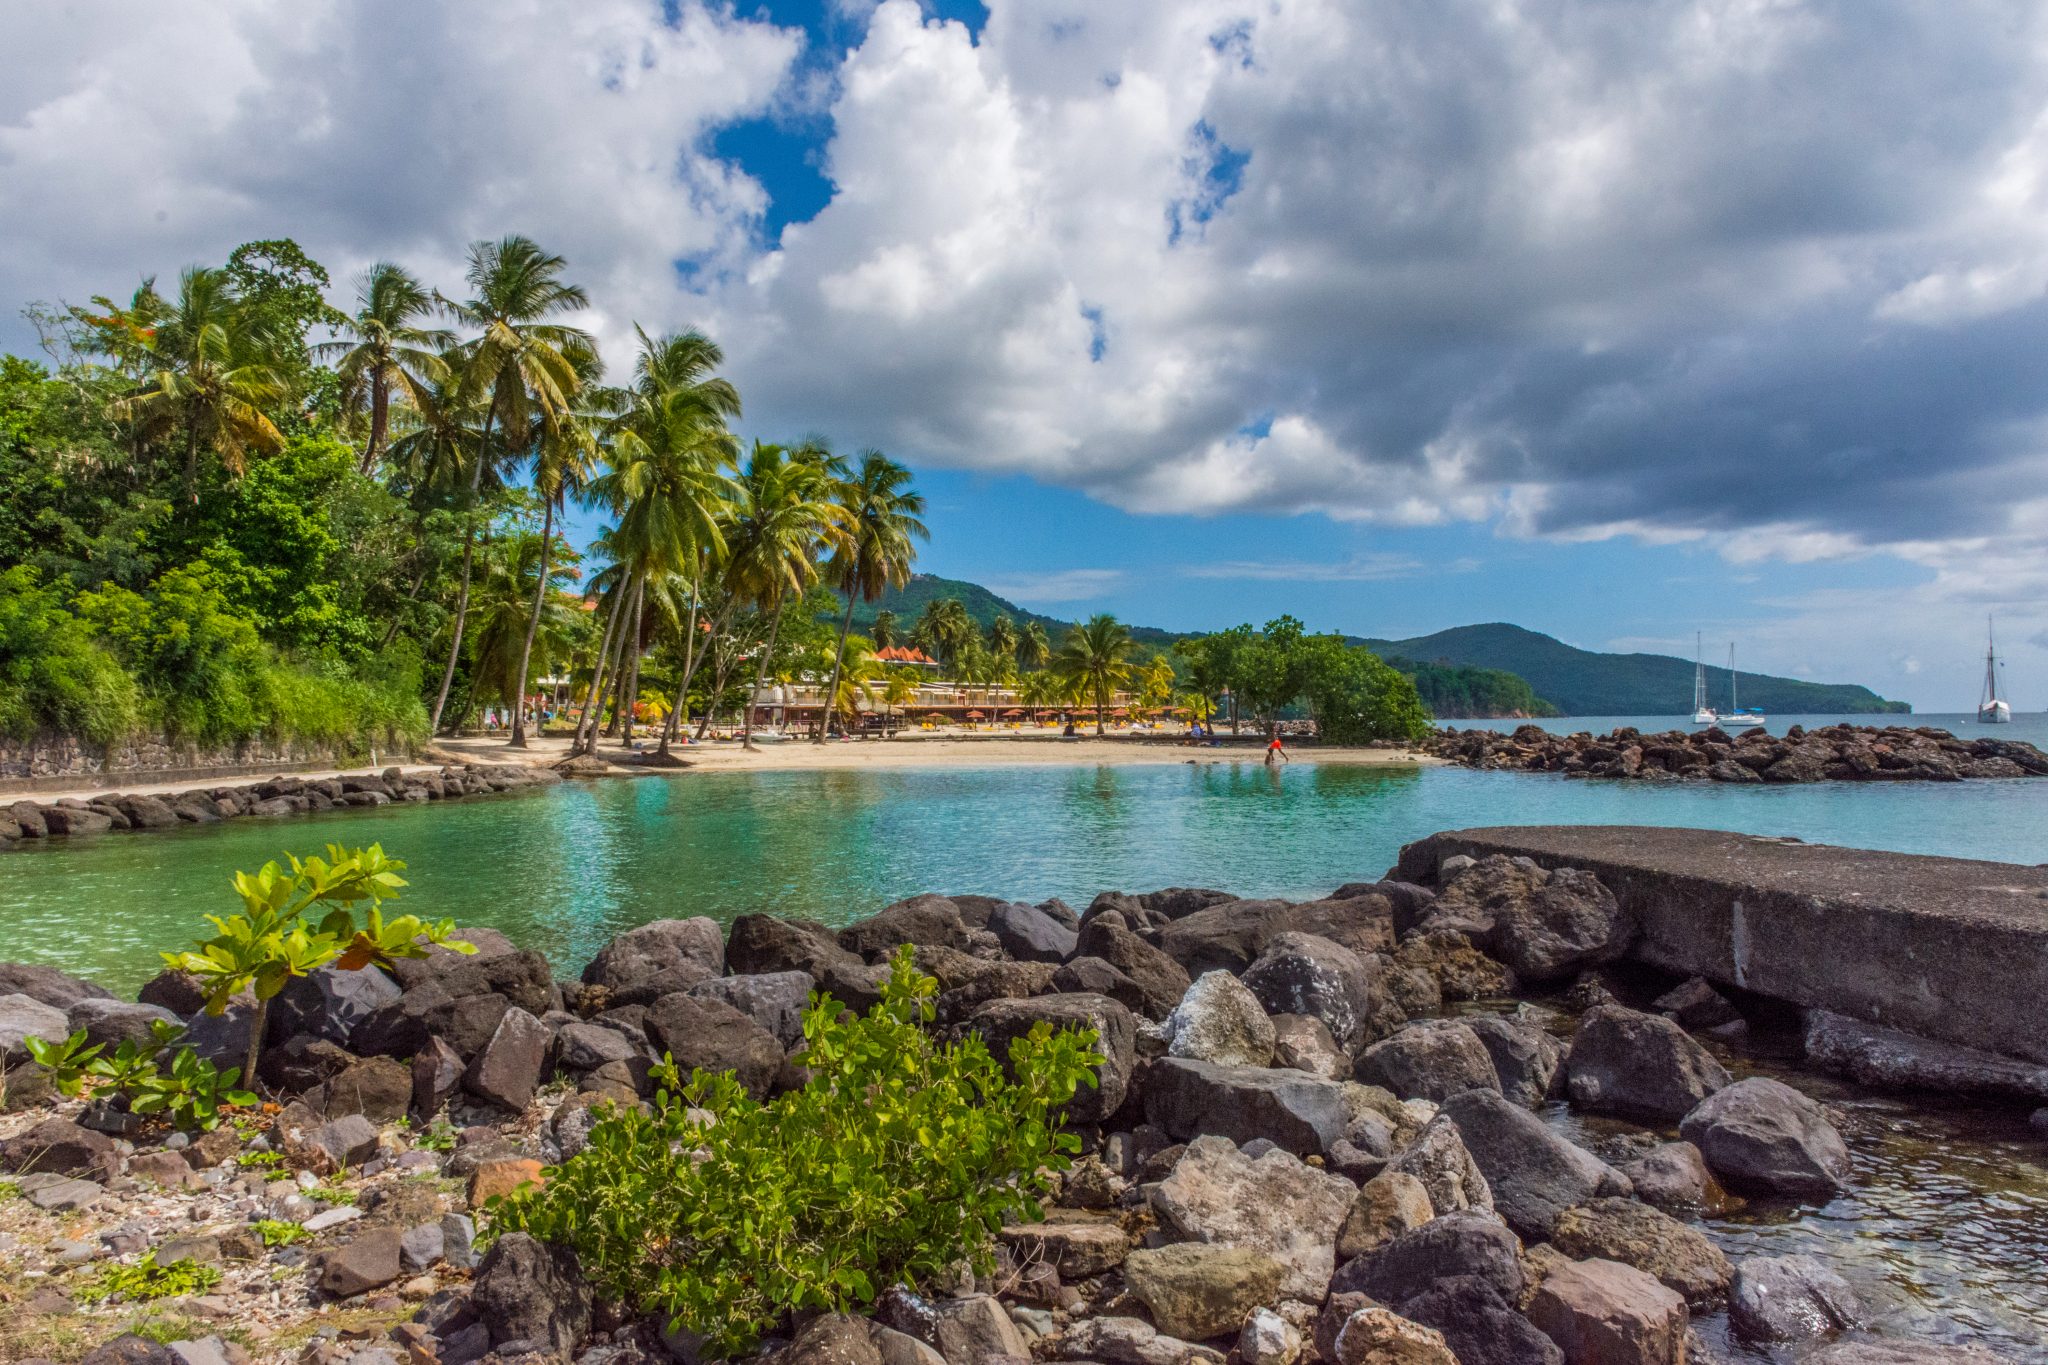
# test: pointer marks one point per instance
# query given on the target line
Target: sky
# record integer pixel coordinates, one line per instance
(1618, 319)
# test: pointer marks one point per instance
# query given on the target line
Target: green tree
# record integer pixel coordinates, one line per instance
(212, 369)
(945, 630)
(1095, 657)
(883, 632)
(1034, 646)
(522, 366)
(783, 517)
(384, 350)
(878, 543)
(1357, 698)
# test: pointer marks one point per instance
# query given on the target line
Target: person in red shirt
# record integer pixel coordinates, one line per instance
(1275, 752)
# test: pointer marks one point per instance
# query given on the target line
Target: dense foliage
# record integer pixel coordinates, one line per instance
(899, 1158)
(1463, 691)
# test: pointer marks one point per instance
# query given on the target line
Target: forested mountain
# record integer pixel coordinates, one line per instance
(1466, 692)
(1580, 682)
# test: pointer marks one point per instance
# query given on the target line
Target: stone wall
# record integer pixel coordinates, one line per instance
(49, 762)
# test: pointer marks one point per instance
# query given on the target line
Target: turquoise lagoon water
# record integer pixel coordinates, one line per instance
(566, 869)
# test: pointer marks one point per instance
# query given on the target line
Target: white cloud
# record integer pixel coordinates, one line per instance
(1372, 568)
(1668, 273)
(1060, 585)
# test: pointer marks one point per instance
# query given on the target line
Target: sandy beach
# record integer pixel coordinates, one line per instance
(942, 749)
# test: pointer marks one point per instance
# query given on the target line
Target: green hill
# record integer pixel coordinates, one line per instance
(1580, 682)
(1476, 671)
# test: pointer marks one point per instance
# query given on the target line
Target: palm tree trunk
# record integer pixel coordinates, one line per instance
(418, 582)
(476, 480)
(838, 663)
(633, 677)
(604, 650)
(540, 590)
(760, 676)
(673, 724)
(380, 416)
(608, 701)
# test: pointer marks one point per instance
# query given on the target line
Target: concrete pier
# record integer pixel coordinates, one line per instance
(1950, 949)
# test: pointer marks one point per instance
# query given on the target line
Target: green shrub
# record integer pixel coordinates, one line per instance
(275, 1232)
(146, 1280)
(54, 674)
(899, 1159)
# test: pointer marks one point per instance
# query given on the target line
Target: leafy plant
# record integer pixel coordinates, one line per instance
(146, 1280)
(9, 1190)
(331, 1193)
(271, 941)
(438, 1136)
(68, 1062)
(259, 1160)
(191, 1093)
(901, 1157)
(275, 1232)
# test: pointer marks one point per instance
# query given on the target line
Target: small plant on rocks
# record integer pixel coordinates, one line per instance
(191, 1092)
(146, 1280)
(276, 1232)
(274, 940)
(331, 1194)
(259, 1160)
(899, 1158)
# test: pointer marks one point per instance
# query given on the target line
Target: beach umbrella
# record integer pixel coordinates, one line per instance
(974, 715)
(1013, 711)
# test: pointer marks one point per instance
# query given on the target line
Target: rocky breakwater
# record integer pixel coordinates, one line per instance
(1833, 753)
(273, 797)
(1294, 1153)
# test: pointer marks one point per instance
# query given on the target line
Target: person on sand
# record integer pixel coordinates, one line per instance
(1276, 752)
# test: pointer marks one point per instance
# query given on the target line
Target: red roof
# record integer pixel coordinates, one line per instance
(897, 654)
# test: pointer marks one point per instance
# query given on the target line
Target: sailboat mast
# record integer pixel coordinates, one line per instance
(1699, 673)
(1990, 663)
(1731, 678)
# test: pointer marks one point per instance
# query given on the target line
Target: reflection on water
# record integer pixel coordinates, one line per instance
(1946, 1234)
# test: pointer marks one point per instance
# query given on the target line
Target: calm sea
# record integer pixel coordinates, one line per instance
(565, 870)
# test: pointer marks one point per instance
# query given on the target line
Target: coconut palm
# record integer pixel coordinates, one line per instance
(521, 365)
(882, 526)
(1034, 646)
(502, 644)
(1095, 658)
(945, 630)
(1002, 637)
(883, 632)
(384, 351)
(564, 458)
(211, 366)
(897, 690)
(784, 519)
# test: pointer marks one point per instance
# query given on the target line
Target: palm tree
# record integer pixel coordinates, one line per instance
(854, 681)
(520, 363)
(502, 643)
(945, 630)
(384, 351)
(1034, 647)
(883, 632)
(564, 454)
(211, 366)
(785, 515)
(900, 687)
(878, 544)
(1002, 637)
(1095, 658)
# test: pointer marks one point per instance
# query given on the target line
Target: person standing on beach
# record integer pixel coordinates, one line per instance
(1275, 751)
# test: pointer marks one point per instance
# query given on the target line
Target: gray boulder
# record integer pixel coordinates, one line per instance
(663, 945)
(761, 944)
(922, 920)
(1029, 934)
(530, 1291)
(1640, 1066)
(1276, 1204)
(585, 1046)
(1526, 1059)
(1292, 1109)
(1307, 974)
(1304, 1044)
(1001, 1022)
(76, 820)
(1450, 1244)
(509, 1068)
(1546, 926)
(713, 1036)
(1481, 1327)
(1890, 1351)
(1431, 1059)
(378, 1088)
(110, 1023)
(60, 1147)
(1162, 980)
(328, 1003)
(1219, 1021)
(1762, 1136)
(1673, 1176)
(370, 1260)
(774, 1000)
(1790, 1298)
(22, 1017)
(1626, 1230)
(439, 961)
(1437, 1157)
(1532, 1170)
(48, 985)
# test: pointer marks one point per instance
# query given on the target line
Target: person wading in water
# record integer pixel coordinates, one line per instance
(1275, 752)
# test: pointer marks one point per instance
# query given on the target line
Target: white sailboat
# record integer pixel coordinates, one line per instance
(1702, 714)
(1737, 718)
(1992, 710)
